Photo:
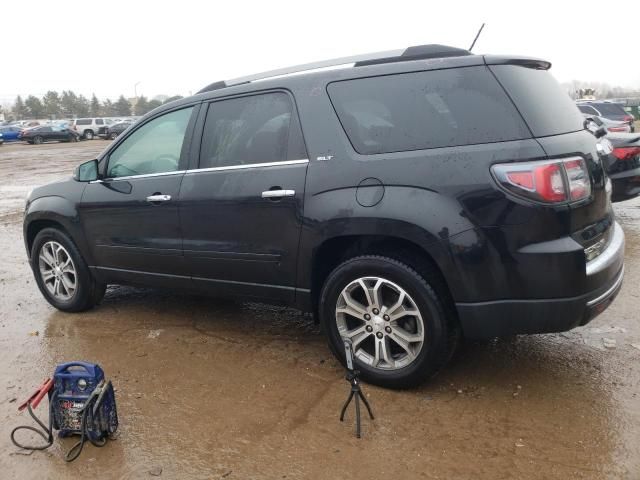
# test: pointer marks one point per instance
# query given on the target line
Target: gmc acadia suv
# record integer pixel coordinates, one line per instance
(414, 197)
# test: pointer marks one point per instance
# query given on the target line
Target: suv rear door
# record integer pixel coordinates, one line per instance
(241, 208)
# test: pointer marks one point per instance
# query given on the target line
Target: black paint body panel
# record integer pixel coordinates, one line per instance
(218, 235)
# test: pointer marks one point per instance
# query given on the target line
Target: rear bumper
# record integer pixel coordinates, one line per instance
(511, 317)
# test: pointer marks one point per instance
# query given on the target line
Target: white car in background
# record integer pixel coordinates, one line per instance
(611, 125)
(88, 127)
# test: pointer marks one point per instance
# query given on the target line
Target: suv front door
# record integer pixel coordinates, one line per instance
(241, 209)
(130, 216)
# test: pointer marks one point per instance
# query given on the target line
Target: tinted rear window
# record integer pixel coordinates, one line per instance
(610, 109)
(547, 109)
(420, 110)
(587, 109)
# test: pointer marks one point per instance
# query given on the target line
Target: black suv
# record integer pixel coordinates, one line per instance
(411, 198)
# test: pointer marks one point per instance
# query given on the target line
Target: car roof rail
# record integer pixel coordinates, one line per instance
(420, 52)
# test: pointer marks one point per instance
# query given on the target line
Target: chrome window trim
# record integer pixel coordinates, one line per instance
(249, 165)
(211, 169)
(143, 175)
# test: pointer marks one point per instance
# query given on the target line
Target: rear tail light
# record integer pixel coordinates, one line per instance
(626, 153)
(554, 181)
(629, 118)
(621, 128)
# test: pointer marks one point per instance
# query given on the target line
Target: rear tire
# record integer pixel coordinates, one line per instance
(113, 136)
(37, 140)
(382, 337)
(62, 275)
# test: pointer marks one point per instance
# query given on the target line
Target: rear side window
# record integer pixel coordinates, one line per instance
(421, 110)
(547, 109)
(83, 121)
(247, 130)
(610, 108)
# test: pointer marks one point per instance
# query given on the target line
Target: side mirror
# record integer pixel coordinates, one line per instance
(86, 172)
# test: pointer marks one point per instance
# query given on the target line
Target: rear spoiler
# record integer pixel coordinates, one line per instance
(528, 62)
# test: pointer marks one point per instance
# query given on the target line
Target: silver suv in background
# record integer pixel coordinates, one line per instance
(606, 109)
(89, 127)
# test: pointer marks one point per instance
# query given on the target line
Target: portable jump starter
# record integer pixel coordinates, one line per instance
(81, 403)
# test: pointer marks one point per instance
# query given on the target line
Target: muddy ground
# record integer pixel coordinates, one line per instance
(212, 389)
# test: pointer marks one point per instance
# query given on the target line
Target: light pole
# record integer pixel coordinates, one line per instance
(135, 96)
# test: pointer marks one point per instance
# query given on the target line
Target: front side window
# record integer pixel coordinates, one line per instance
(99, 121)
(249, 130)
(155, 147)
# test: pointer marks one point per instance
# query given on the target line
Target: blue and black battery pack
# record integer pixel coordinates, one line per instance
(79, 389)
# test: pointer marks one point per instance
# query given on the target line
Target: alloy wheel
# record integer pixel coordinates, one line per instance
(382, 321)
(57, 271)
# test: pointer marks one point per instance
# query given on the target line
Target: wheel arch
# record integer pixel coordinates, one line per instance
(54, 212)
(334, 251)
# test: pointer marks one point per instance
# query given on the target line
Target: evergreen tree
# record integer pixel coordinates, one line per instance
(68, 103)
(142, 105)
(19, 109)
(51, 103)
(34, 107)
(108, 109)
(82, 106)
(94, 108)
(122, 107)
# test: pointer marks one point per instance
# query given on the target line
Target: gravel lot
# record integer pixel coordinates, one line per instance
(215, 389)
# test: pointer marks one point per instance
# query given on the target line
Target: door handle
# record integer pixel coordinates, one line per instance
(158, 198)
(278, 193)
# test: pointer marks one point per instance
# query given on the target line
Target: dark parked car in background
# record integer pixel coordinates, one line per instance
(622, 158)
(609, 110)
(38, 135)
(434, 193)
(624, 170)
(111, 132)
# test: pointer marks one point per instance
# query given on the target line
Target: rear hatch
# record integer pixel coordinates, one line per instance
(558, 126)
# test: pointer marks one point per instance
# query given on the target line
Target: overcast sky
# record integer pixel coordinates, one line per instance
(177, 47)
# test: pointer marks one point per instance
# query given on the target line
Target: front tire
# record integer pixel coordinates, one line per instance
(37, 140)
(62, 275)
(399, 326)
(88, 134)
